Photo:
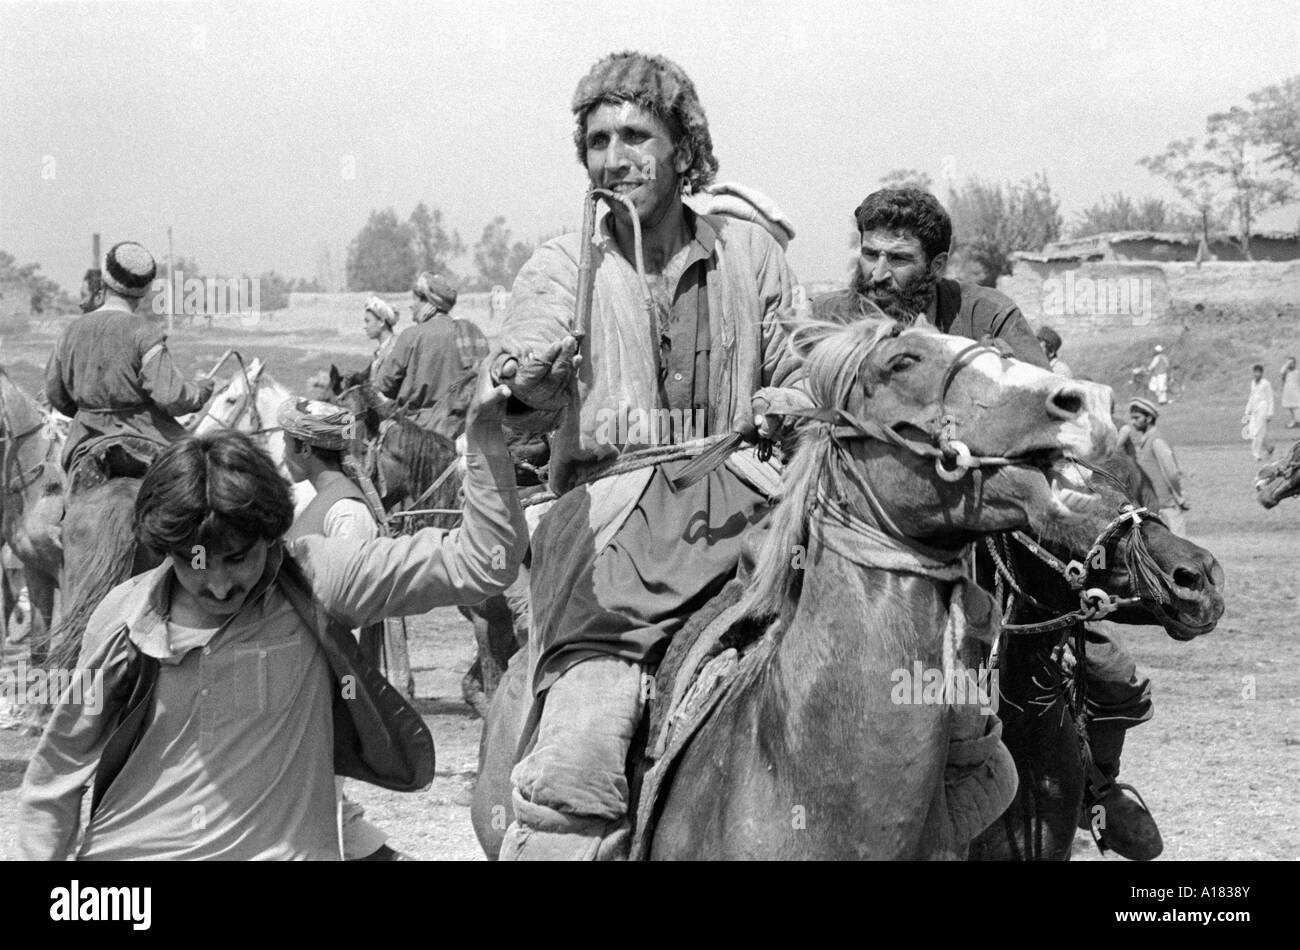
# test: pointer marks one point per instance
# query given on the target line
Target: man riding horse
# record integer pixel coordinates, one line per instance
(905, 236)
(689, 321)
(424, 366)
(112, 373)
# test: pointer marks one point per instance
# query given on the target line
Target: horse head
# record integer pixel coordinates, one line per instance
(960, 439)
(1279, 480)
(933, 439)
(1149, 574)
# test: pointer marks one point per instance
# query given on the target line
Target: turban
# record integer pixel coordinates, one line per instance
(435, 289)
(1141, 405)
(128, 269)
(381, 310)
(320, 424)
(742, 202)
(660, 86)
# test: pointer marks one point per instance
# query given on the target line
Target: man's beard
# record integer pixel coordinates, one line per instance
(905, 305)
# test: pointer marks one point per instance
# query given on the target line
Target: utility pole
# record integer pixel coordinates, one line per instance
(171, 285)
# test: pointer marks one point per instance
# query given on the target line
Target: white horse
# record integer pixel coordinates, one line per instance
(250, 403)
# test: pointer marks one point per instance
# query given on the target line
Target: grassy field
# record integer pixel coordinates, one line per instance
(1219, 764)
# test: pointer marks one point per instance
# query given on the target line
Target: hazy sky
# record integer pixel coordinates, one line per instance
(264, 133)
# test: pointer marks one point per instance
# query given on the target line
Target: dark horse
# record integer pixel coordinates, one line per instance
(1158, 577)
(407, 460)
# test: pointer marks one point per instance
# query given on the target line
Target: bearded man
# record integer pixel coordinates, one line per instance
(620, 562)
(906, 237)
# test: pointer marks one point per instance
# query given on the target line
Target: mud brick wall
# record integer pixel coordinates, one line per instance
(1100, 296)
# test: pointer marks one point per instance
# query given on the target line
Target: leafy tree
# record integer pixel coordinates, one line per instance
(991, 221)
(1218, 176)
(1276, 113)
(1254, 191)
(1118, 212)
(39, 294)
(434, 245)
(1194, 176)
(382, 257)
(497, 260)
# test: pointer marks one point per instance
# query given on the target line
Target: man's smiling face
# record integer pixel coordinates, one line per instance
(631, 152)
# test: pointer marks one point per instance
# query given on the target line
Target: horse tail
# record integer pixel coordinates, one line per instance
(103, 559)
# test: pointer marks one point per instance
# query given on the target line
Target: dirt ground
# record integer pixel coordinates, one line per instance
(1219, 765)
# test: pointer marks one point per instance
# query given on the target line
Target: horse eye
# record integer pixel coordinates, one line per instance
(902, 361)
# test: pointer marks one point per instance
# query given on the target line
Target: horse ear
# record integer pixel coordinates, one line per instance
(335, 377)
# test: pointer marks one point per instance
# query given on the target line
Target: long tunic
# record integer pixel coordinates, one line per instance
(425, 362)
(237, 760)
(619, 564)
(112, 373)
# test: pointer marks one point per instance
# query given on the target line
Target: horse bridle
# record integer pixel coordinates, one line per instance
(249, 401)
(943, 445)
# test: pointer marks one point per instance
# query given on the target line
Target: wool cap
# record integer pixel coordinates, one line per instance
(1142, 405)
(129, 269)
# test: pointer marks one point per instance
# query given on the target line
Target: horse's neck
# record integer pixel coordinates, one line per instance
(854, 628)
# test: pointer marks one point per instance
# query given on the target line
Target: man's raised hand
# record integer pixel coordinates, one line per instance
(539, 381)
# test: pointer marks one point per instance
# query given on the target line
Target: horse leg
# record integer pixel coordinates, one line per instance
(40, 591)
(471, 684)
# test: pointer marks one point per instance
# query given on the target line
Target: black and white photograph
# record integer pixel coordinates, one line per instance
(461, 431)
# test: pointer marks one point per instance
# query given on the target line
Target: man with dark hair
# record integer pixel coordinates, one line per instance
(1051, 341)
(429, 369)
(906, 236)
(111, 371)
(697, 346)
(233, 689)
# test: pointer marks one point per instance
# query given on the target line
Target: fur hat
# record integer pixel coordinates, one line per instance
(129, 269)
(661, 87)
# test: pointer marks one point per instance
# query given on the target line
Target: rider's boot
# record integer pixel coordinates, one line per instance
(1113, 811)
(570, 792)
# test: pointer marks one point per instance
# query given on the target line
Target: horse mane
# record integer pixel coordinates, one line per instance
(832, 369)
(425, 455)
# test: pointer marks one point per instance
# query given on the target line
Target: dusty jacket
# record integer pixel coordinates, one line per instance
(377, 737)
(111, 372)
(750, 289)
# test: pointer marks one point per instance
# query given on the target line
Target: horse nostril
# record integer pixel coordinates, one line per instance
(1189, 579)
(1065, 402)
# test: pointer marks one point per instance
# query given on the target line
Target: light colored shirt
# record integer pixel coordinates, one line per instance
(349, 518)
(237, 759)
(1259, 404)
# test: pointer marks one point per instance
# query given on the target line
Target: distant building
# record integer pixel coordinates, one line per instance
(1133, 278)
